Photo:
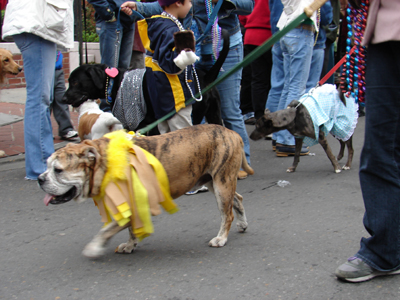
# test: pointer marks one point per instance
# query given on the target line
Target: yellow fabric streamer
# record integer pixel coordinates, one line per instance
(133, 187)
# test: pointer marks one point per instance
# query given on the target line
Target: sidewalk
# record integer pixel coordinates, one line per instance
(12, 109)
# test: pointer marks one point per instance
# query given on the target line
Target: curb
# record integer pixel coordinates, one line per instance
(21, 157)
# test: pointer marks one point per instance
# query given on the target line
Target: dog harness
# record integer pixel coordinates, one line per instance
(329, 114)
(134, 186)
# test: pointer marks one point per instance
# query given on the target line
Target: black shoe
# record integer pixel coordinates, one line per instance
(250, 121)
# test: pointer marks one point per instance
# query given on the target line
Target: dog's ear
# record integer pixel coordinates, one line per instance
(97, 163)
(98, 76)
(284, 117)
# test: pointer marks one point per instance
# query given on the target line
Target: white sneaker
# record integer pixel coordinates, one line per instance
(70, 136)
(202, 189)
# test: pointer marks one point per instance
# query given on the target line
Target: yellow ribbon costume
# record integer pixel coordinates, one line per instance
(134, 186)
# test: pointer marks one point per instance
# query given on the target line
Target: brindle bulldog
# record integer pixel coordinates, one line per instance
(208, 155)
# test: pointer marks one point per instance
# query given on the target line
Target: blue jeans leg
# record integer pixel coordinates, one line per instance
(380, 158)
(39, 57)
(108, 37)
(230, 97)
(317, 63)
(277, 80)
(297, 48)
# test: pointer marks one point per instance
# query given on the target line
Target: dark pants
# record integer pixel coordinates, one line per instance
(256, 82)
(60, 110)
(380, 158)
(246, 105)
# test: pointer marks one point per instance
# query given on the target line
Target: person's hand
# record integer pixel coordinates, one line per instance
(128, 6)
(343, 5)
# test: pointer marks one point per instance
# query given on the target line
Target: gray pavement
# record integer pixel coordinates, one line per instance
(297, 236)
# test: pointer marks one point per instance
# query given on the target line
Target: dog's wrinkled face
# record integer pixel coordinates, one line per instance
(85, 82)
(73, 173)
(264, 126)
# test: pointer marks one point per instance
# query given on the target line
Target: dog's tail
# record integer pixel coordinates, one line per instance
(112, 123)
(212, 74)
(245, 166)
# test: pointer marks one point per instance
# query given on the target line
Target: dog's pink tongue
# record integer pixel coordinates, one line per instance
(47, 199)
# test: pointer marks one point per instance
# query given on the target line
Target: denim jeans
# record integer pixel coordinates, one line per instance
(59, 108)
(380, 158)
(107, 32)
(317, 63)
(277, 80)
(39, 57)
(230, 95)
(297, 48)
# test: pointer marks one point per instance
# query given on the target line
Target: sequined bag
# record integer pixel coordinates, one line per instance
(129, 107)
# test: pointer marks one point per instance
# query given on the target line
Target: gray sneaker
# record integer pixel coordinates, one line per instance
(71, 135)
(356, 270)
(202, 189)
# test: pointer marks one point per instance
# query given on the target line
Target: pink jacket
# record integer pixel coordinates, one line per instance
(383, 23)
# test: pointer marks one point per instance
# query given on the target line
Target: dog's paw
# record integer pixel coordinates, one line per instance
(345, 167)
(217, 242)
(290, 170)
(241, 226)
(338, 171)
(93, 250)
(126, 248)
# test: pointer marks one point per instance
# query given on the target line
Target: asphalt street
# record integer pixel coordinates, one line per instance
(298, 234)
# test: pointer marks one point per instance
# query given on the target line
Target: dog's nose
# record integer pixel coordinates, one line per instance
(65, 99)
(41, 179)
(19, 69)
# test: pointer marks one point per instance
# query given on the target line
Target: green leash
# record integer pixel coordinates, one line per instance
(308, 11)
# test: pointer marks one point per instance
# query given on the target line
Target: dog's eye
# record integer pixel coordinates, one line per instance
(57, 170)
(6, 60)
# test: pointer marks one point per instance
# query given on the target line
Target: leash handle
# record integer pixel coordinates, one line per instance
(313, 7)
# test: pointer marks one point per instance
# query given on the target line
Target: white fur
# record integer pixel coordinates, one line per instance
(103, 124)
(185, 58)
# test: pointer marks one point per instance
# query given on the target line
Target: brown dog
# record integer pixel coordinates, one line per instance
(208, 155)
(297, 120)
(7, 64)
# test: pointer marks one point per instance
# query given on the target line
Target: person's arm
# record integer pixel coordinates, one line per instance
(240, 7)
(103, 9)
(145, 9)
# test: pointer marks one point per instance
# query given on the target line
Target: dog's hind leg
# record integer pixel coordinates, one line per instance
(225, 199)
(96, 248)
(129, 246)
(341, 152)
(324, 143)
(240, 213)
(349, 144)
